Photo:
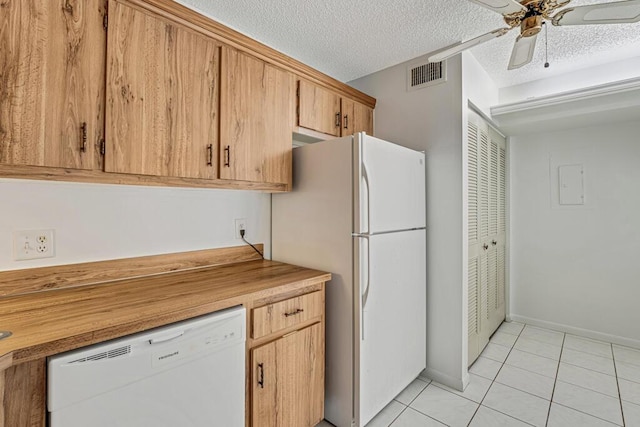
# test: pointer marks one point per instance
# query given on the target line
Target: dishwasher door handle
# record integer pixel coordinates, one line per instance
(153, 341)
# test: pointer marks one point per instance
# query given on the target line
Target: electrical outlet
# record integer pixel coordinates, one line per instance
(241, 224)
(33, 244)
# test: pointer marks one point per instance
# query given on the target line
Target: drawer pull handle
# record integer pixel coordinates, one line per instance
(293, 313)
(261, 375)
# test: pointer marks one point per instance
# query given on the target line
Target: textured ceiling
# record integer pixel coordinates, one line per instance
(350, 39)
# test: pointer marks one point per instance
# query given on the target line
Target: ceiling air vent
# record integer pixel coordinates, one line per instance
(121, 351)
(427, 74)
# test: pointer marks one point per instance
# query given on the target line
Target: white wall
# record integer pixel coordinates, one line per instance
(430, 119)
(577, 268)
(477, 86)
(98, 222)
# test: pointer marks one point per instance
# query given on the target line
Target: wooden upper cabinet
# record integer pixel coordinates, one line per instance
(162, 97)
(257, 112)
(346, 109)
(318, 109)
(288, 380)
(52, 55)
(362, 119)
(356, 117)
(324, 111)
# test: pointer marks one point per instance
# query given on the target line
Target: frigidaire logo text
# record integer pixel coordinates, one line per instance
(166, 356)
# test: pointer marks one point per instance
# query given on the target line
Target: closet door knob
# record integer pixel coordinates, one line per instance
(494, 242)
(485, 246)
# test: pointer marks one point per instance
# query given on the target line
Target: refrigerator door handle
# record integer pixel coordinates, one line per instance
(365, 177)
(365, 293)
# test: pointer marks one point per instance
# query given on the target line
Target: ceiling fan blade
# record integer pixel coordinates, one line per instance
(504, 7)
(619, 12)
(522, 52)
(459, 47)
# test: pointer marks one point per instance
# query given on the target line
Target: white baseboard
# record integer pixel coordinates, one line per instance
(600, 336)
(456, 383)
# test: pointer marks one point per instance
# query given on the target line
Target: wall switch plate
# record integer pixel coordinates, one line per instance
(241, 224)
(33, 244)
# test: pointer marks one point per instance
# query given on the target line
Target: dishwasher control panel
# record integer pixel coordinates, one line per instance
(190, 342)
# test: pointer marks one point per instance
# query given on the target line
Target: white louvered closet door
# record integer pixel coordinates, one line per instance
(487, 232)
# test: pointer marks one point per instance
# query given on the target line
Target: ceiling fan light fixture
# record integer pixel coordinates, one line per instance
(531, 26)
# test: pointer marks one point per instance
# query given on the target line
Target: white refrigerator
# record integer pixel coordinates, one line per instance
(357, 210)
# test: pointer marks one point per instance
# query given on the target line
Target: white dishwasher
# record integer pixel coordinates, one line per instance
(188, 374)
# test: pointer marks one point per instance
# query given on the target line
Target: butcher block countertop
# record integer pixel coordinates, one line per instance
(74, 315)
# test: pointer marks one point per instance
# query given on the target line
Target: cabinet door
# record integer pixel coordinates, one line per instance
(288, 380)
(356, 117)
(318, 109)
(52, 82)
(362, 119)
(162, 97)
(347, 124)
(257, 114)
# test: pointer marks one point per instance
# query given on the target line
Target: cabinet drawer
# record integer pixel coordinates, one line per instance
(284, 314)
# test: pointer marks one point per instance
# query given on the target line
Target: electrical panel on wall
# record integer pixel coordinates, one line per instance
(571, 184)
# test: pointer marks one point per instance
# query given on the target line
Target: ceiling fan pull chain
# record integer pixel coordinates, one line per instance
(546, 46)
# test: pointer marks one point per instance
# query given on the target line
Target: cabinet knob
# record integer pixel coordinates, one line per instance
(338, 119)
(485, 246)
(494, 242)
(346, 121)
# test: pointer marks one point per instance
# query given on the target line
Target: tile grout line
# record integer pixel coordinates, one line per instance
(421, 413)
(406, 406)
(587, 414)
(555, 381)
(615, 371)
(584, 388)
(496, 376)
(589, 369)
(397, 416)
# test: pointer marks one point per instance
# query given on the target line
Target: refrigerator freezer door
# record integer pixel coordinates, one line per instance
(392, 186)
(392, 330)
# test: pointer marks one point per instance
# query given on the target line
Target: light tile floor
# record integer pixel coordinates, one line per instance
(529, 376)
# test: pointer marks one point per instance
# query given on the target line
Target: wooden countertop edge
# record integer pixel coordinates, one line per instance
(26, 354)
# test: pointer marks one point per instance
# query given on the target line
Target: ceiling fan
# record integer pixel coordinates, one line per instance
(530, 15)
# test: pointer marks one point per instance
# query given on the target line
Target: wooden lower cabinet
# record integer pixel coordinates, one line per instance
(288, 380)
(24, 391)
